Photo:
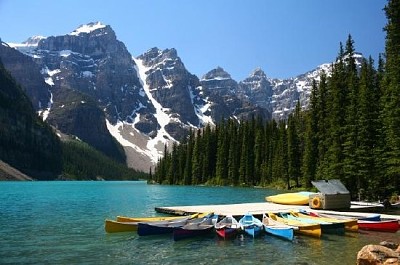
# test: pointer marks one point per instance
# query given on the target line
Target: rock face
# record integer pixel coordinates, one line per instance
(378, 255)
(94, 62)
(227, 99)
(174, 88)
(27, 74)
(87, 84)
(258, 89)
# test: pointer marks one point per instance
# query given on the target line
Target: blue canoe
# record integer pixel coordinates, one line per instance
(251, 225)
(278, 229)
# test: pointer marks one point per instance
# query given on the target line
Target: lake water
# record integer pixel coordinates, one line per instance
(63, 223)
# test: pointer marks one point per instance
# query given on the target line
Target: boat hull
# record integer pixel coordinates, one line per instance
(152, 219)
(297, 198)
(227, 228)
(115, 226)
(148, 229)
(195, 227)
(282, 232)
(227, 233)
(180, 233)
(313, 230)
(251, 225)
(391, 226)
(253, 231)
(326, 227)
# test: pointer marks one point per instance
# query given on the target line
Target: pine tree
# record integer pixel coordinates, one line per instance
(221, 172)
(187, 173)
(350, 133)
(323, 127)
(391, 100)
(233, 157)
(309, 163)
(197, 160)
(368, 125)
(338, 97)
(293, 147)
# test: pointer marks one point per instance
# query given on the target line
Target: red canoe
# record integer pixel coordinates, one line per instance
(391, 225)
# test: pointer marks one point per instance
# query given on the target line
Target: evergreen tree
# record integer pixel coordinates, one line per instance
(233, 157)
(197, 160)
(187, 173)
(222, 154)
(337, 87)
(391, 100)
(293, 147)
(368, 125)
(323, 127)
(309, 163)
(350, 140)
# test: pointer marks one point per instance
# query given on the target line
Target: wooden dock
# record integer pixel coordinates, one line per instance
(265, 207)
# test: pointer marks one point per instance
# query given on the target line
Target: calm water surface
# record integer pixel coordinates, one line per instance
(63, 223)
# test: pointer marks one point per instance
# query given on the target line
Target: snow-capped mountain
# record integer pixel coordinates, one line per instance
(89, 85)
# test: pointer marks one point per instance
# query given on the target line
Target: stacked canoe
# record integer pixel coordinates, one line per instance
(282, 224)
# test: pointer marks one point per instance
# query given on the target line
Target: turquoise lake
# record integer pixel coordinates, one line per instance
(63, 223)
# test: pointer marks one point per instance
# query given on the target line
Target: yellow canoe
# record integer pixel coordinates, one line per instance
(112, 226)
(151, 219)
(128, 224)
(313, 230)
(349, 224)
(294, 198)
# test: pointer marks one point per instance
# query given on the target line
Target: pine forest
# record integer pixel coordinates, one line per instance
(351, 132)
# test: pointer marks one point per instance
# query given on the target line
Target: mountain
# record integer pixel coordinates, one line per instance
(87, 84)
(26, 142)
(223, 92)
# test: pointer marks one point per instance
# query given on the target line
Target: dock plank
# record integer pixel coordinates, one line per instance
(262, 207)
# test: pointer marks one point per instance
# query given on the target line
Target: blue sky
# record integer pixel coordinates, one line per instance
(283, 37)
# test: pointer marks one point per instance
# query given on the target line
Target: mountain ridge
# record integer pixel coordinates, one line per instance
(151, 100)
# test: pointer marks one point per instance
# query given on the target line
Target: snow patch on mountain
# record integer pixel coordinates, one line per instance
(201, 109)
(163, 119)
(48, 75)
(27, 47)
(88, 28)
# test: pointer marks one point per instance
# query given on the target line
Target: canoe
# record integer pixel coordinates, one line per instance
(251, 225)
(277, 229)
(166, 227)
(294, 198)
(371, 217)
(204, 227)
(350, 225)
(227, 228)
(131, 224)
(152, 219)
(112, 226)
(160, 227)
(390, 225)
(374, 217)
(326, 227)
(313, 230)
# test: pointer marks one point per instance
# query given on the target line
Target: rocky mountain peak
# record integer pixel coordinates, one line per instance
(88, 28)
(93, 39)
(258, 73)
(217, 73)
(155, 56)
(33, 41)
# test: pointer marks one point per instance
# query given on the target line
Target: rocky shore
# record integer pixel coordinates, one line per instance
(386, 253)
(7, 172)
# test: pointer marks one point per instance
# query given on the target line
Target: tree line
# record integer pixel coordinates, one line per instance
(350, 131)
